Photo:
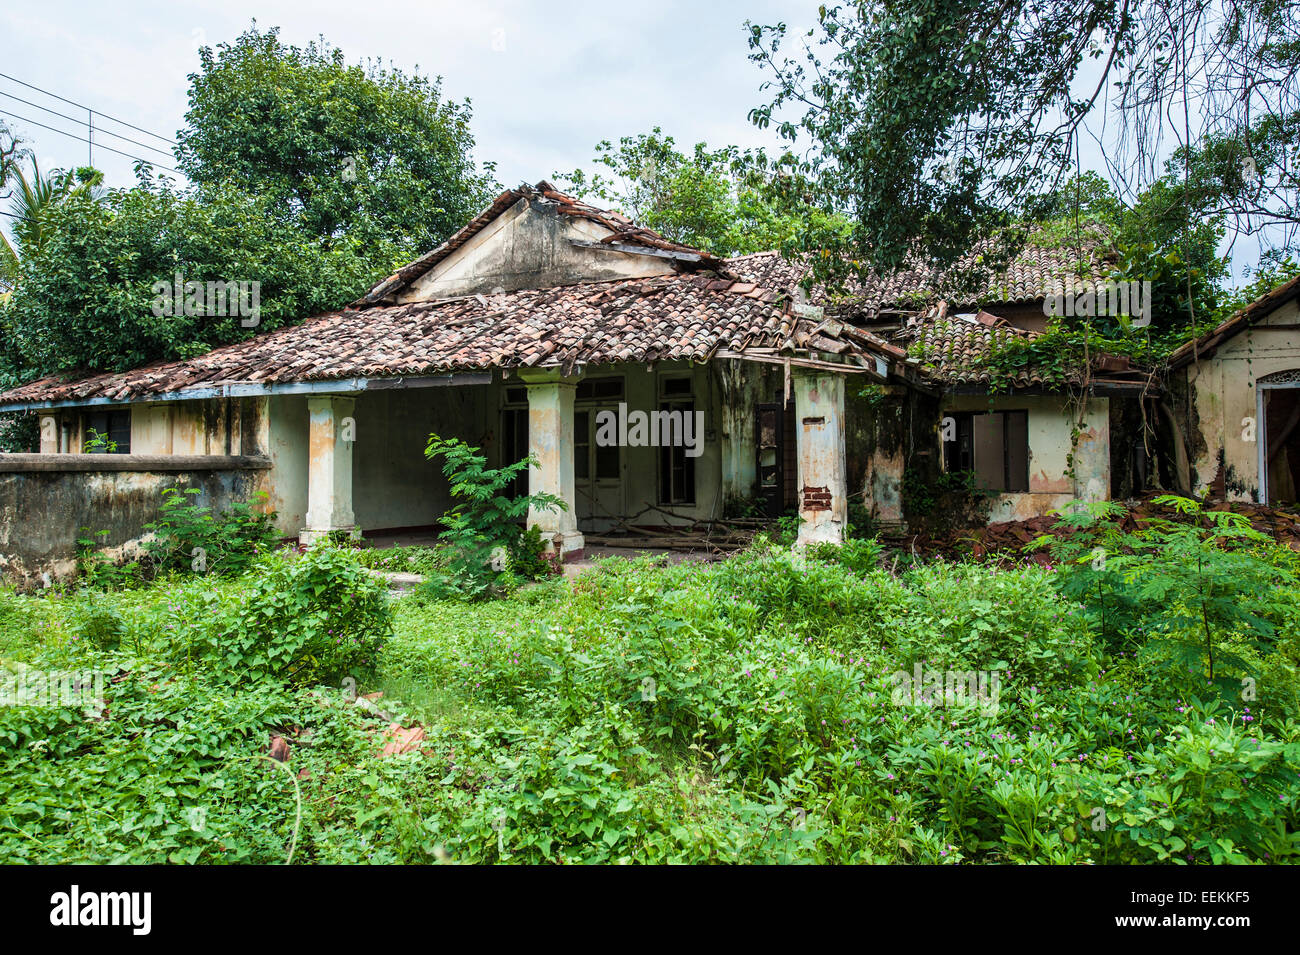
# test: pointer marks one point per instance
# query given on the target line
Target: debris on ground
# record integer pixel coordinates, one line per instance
(1007, 539)
(400, 739)
(399, 584)
(367, 703)
(715, 538)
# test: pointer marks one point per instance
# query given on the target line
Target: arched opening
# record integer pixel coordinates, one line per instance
(1279, 442)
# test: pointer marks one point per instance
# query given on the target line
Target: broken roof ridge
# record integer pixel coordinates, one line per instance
(1207, 341)
(620, 226)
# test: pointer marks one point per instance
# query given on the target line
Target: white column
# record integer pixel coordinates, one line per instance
(49, 434)
(550, 442)
(823, 474)
(329, 469)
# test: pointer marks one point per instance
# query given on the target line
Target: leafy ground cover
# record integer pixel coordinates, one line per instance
(777, 707)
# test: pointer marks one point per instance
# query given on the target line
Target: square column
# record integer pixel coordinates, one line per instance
(329, 469)
(50, 428)
(822, 473)
(550, 442)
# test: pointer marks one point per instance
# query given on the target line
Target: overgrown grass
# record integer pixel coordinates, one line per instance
(405, 559)
(741, 712)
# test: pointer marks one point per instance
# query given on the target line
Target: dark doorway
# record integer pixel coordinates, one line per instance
(514, 437)
(1282, 450)
(776, 466)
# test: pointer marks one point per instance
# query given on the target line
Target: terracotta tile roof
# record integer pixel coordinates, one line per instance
(950, 347)
(623, 231)
(681, 316)
(708, 308)
(1038, 271)
(1239, 321)
(953, 348)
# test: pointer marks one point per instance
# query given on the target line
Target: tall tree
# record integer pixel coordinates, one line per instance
(308, 176)
(369, 153)
(716, 200)
(930, 122)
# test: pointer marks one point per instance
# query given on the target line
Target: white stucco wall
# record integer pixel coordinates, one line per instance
(1050, 425)
(1223, 390)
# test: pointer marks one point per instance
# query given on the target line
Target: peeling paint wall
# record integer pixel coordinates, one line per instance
(331, 429)
(286, 431)
(203, 426)
(1051, 420)
(42, 513)
(822, 475)
(1222, 393)
(889, 431)
(739, 387)
(877, 441)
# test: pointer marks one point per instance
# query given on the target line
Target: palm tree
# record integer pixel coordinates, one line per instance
(31, 204)
(11, 151)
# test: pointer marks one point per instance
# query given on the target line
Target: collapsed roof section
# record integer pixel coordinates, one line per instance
(1045, 266)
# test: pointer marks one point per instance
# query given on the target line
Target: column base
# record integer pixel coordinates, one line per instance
(824, 532)
(570, 544)
(308, 536)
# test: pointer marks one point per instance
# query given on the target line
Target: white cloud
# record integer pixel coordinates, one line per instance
(547, 82)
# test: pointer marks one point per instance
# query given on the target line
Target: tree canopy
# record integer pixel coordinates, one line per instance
(717, 200)
(307, 175)
(367, 152)
(932, 122)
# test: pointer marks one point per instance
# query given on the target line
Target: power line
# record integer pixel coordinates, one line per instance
(83, 139)
(94, 129)
(64, 99)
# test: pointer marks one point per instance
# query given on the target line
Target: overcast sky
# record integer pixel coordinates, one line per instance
(547, 80)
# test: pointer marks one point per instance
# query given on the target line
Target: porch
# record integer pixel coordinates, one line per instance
(631, 449)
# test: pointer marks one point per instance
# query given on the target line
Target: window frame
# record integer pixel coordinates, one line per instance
(677, 474)
(122, 430)
(957, 459)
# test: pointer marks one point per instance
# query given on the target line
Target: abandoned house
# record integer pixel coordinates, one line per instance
(1237, 404)
(550, 327)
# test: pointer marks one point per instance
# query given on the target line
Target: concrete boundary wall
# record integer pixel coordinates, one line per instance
(46, 500)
